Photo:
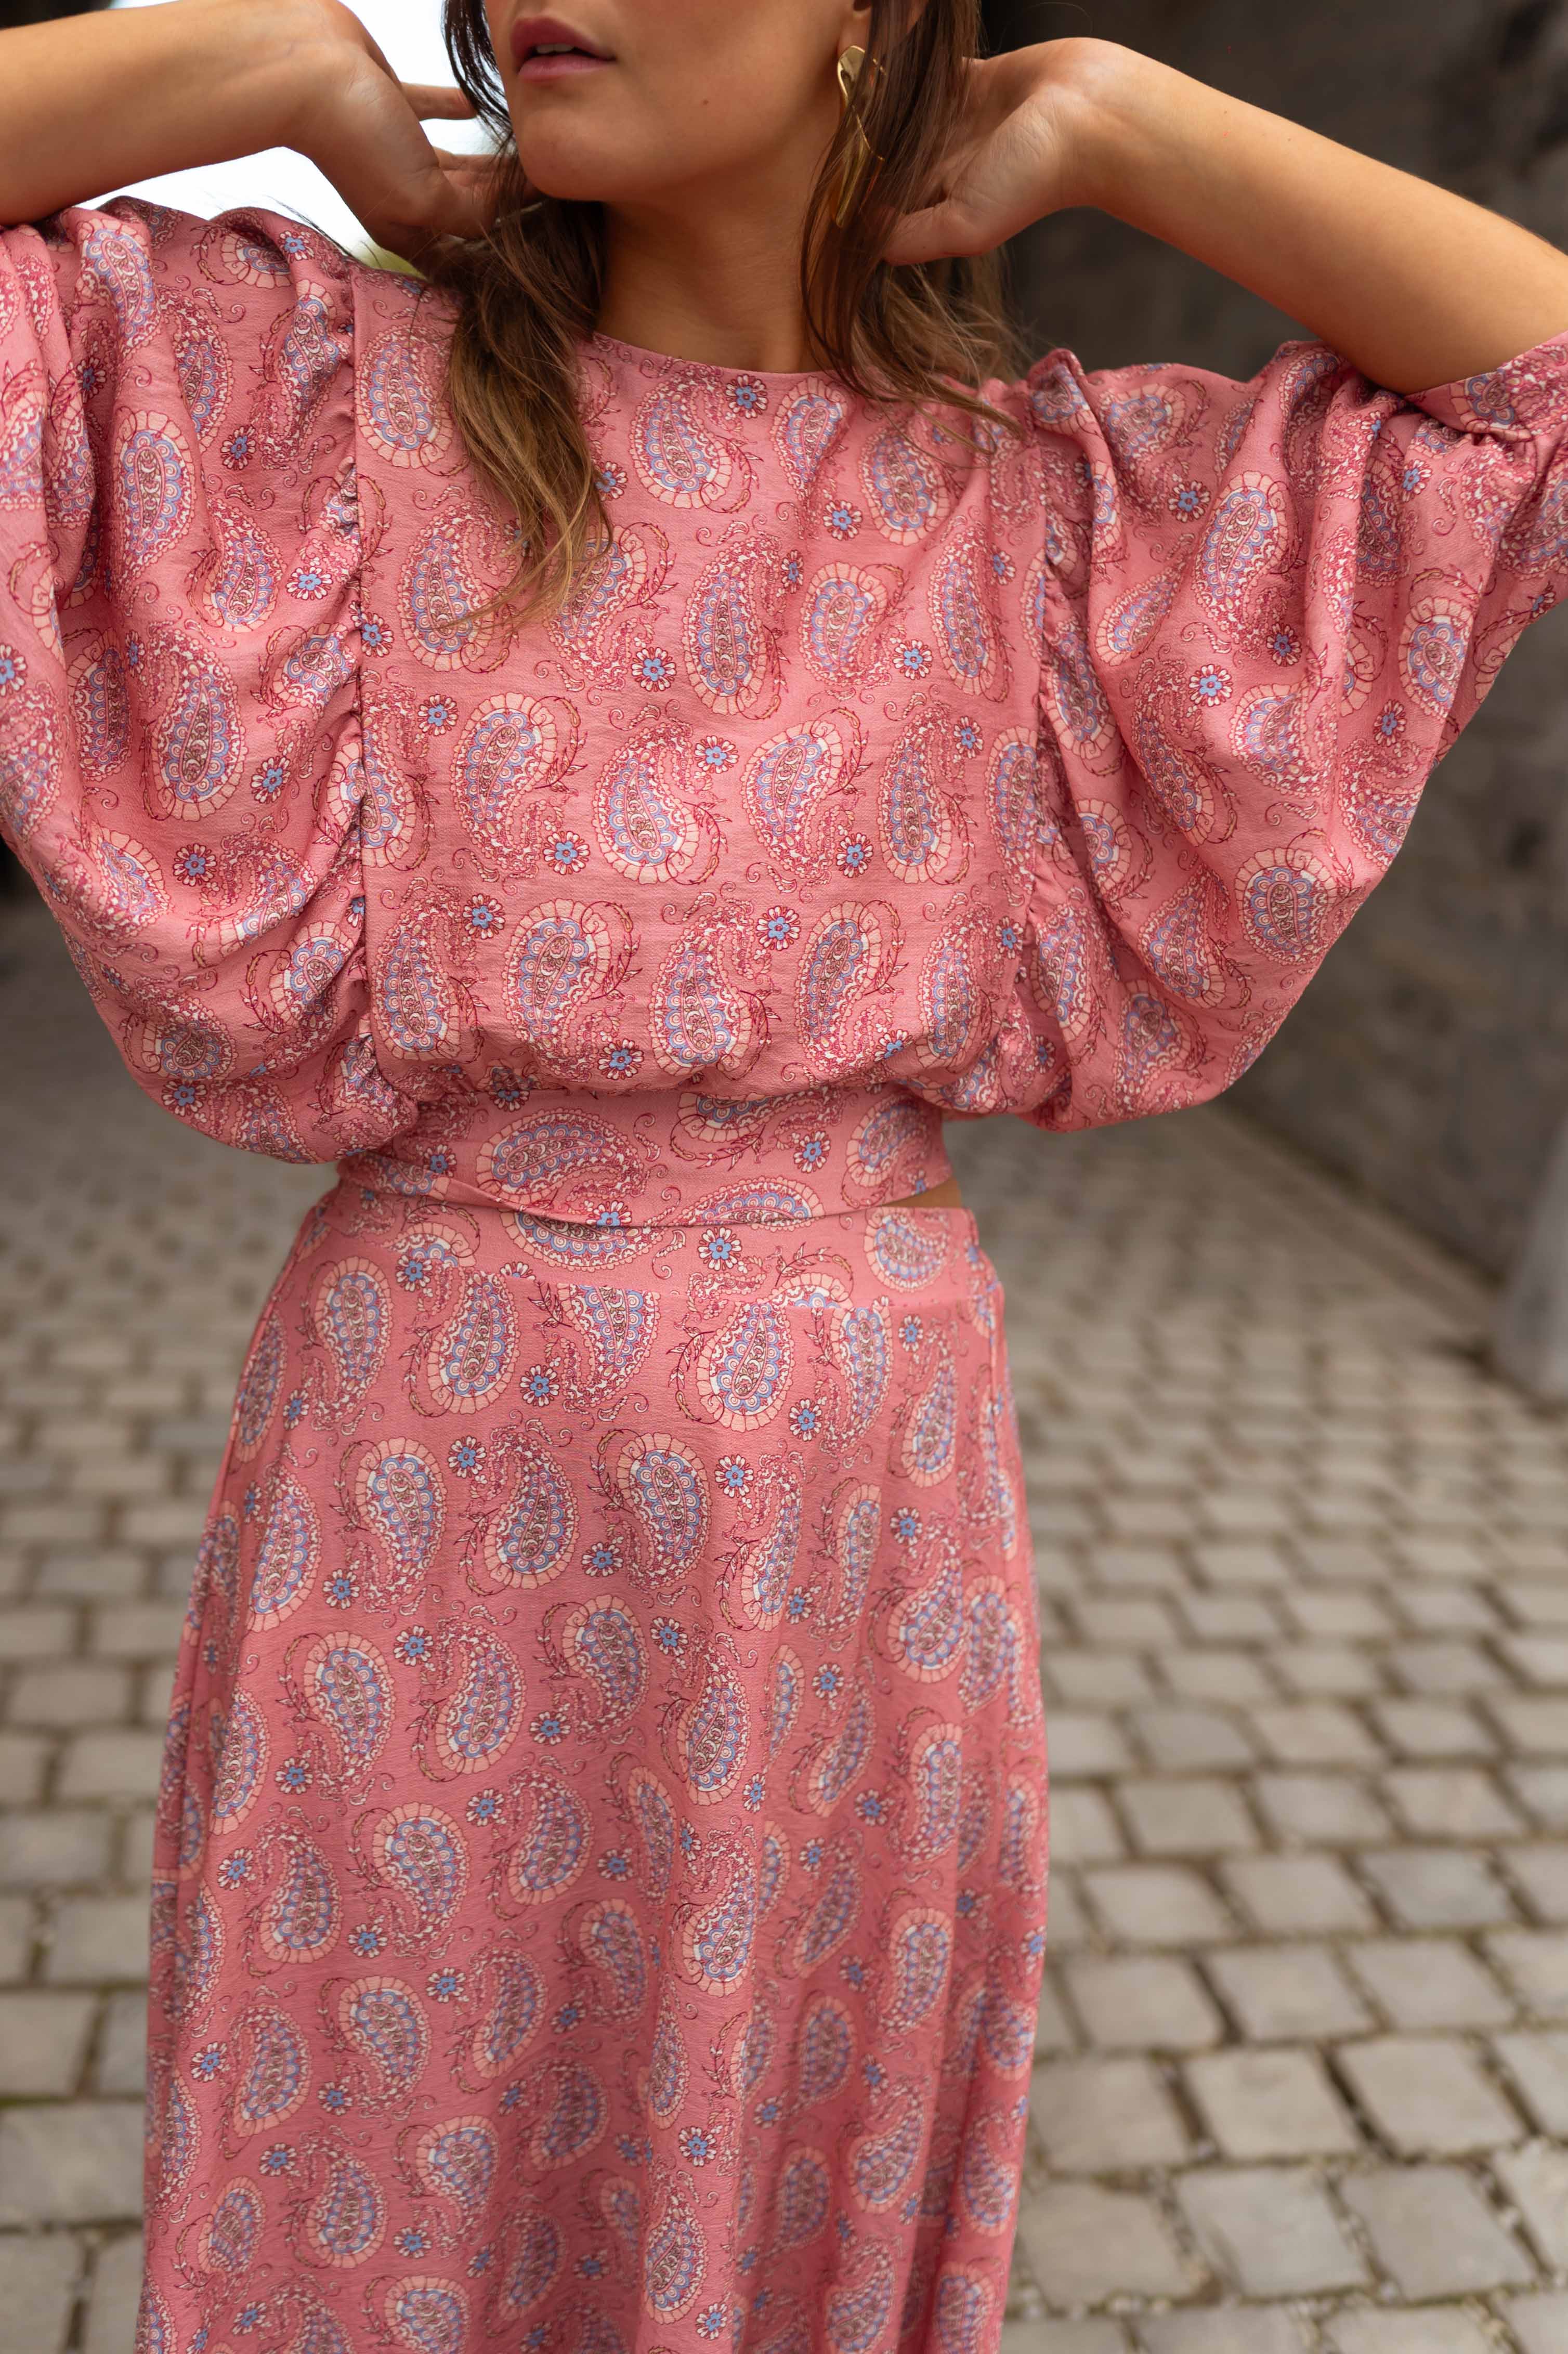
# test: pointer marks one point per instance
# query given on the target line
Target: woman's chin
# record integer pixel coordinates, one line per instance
(577, 180)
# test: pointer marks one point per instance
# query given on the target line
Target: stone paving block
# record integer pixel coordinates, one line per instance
(1542, 1791)
(1534, 1962)
(1538, 1728)
(1536, 2179)
(1537, 2068)
(1067, 1927)
(1540, 1875)
(1314, 1732)
(17, 1920)
(171, 1520)
(1084, 2244)
(134, 1859)
(122, 1764)
(1082, 1828)
(90, 1574)
(1155, 1905)
(1540, 2323)
(1320, 1809)
(55, 1523)
(1270, 2103)
(112, 2295)
(1343, 1614)
(43, 2042)
(1231, 1618)
(1126, 1624)
(1138, 2002)
(70, 2162)
(56, 1849)
(1269, 2230)
(1242, 1561)
(1190, 1740)
(1287, 1993)
(1102, 2117)
(1450, 1802)
(1432, 1728)
(95, 1939)
(37, 2291)
(1534, 1603)
(1185, 1814)
(122, 2065)
(1426, 2097)
(1537, 1658)
(36, 1632)
(1296, 1895)
(135, 1630)
(70, 1692)
(1326, 1670)
(1094, 1678)
(1437, 1669)
(1433, 2331)
(1423, 1982)
(1218, 1675)
(1142, 1564)
(1444, 1609)
(1437, 1887)
(1081, 1746)
(23, 1760)
(1063, 2337)
(1218, 2332)
(1433, 2232)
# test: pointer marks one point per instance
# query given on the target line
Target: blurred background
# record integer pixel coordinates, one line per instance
(1301, 1531)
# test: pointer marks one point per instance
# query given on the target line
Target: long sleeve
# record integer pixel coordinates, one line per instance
(1261, 613)
(181, 764)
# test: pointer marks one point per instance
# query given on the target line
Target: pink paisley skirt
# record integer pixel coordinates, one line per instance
(599, 1889)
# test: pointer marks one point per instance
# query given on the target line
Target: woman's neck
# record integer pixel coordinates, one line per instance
(717, 280)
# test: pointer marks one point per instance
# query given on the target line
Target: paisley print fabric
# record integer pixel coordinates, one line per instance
(599, 1893)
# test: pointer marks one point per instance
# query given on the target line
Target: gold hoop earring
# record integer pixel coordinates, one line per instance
(862, 158)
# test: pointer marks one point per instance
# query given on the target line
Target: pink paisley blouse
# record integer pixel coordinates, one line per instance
(879, 773)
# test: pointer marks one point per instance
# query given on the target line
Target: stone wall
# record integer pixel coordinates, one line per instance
(1430, 1058)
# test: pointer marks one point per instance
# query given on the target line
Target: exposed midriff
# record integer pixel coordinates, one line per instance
(945, 1196)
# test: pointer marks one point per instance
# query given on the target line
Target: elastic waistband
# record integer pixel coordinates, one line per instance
(626, 1161)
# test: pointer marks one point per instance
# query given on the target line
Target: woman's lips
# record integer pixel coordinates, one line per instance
(575, 53)
(560, 69)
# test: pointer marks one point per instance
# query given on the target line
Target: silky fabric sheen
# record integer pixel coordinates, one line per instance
(599, 1889)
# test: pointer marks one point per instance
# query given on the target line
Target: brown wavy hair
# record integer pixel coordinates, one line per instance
(928, 334)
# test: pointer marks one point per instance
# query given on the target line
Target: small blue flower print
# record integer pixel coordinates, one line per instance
(653, 669)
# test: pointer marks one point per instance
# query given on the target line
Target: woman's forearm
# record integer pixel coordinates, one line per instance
(1414, 285)
(93, 102)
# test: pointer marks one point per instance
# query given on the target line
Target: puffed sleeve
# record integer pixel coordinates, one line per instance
(180, 757)
(1261, 613)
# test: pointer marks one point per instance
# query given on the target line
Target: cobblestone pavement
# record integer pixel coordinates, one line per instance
(1304, 1577)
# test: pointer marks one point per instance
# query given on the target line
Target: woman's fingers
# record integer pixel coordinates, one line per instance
(436, 101)
(939, 233)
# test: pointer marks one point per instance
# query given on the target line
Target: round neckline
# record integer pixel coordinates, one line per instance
(617, 347)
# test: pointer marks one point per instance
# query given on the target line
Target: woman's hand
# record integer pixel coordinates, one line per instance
(103, 102)
(1414, 285)
(362, 128)
(1011, 160)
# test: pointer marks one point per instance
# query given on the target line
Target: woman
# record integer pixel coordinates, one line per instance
(600, 1877)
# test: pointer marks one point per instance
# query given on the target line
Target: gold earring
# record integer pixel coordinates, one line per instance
(862, 157)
